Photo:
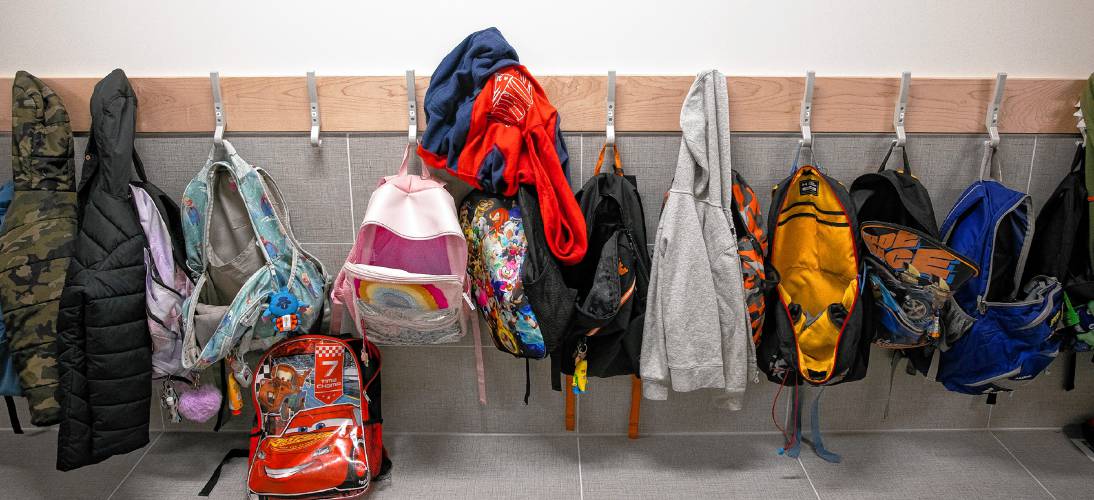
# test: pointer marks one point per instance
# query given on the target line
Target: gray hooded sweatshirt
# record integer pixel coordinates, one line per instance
(696, 333)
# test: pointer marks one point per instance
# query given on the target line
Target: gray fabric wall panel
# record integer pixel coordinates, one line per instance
(432, 388)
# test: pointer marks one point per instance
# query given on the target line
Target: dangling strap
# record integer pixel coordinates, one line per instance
(221, 413)
(1069, 372)
(636, 402)
(527, 380)
(793, 448)
(818, 442)
(215, 477)
(13, 416)
(480, 368)
(893, 363)
(936, 359)
(570, 398)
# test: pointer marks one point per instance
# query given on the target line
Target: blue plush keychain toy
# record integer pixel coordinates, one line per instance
(282, 307)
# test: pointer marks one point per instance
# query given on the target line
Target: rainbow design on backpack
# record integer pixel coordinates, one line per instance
(419, 297)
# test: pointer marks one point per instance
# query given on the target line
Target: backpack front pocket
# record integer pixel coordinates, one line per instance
(393, 306)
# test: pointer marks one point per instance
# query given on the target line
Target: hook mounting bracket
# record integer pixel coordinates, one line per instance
(313, 109)
(902, 108)
(991, 119)
(805, 118)
(218, 110)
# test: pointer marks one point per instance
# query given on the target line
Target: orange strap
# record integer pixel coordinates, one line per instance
(600, 161)
(569, 395)
(636, 402)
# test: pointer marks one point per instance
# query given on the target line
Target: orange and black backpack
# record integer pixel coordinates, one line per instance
(748, 223)
(815, 326)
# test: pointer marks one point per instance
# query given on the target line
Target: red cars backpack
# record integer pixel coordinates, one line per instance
(320, 430)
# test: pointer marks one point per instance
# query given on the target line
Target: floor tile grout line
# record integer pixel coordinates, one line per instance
(1020, 464)
(580, 477)
(807, 478)
(135, 465)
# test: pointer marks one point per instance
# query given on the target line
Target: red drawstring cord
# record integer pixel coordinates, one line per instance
(788, 441)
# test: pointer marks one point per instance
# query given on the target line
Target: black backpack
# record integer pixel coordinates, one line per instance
(873, 195)
(1058, 250)
(909, 307)
(611, 281)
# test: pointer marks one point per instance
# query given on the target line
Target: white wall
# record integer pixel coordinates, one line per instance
(1047, 38)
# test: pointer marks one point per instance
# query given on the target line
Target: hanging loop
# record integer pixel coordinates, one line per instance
(609, 132)
(901, 109)
(805, 118)
(313, 108)
(218, 110)
(991, 119)
(1082, 122)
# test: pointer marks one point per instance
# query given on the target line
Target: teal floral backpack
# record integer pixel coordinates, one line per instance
(240, 247)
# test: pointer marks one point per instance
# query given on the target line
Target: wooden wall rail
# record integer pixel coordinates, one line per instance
(646, 103)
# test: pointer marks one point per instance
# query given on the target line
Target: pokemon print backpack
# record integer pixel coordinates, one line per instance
(320, 432)
(240, 247)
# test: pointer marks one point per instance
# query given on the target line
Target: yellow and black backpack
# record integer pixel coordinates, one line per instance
(815, 324)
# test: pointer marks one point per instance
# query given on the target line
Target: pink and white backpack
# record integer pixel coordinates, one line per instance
(405, 280)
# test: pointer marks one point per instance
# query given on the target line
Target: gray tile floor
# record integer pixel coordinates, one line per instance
(1025, 464)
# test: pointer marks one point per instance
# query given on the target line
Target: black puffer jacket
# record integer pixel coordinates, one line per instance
(104, 345)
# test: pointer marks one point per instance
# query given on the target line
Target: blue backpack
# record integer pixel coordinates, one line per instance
(9, 379)
(1010, 339)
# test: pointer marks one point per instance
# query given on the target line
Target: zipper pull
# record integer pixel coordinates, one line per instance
(581, 368)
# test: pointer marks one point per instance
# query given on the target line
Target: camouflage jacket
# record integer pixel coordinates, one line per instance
(36, 242)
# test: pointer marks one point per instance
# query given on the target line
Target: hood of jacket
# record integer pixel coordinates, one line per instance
(113, 129)
(453, 88)
(41, 137)
(704, 123)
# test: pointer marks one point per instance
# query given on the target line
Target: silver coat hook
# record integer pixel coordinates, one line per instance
(313, 107)
(412, 110)
(610, 127)
(901, 109)
(991, 120)
(218, 110)
(805, 119)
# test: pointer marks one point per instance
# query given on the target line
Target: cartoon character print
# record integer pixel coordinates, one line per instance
(267, 208)
(271, 250)
(310, 285)
(495, 232)
(191, 211)
(282, 390)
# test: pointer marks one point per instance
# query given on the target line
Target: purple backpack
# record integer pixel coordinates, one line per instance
(166, 283)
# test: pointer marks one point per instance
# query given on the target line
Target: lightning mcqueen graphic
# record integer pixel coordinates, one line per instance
(324, 443)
